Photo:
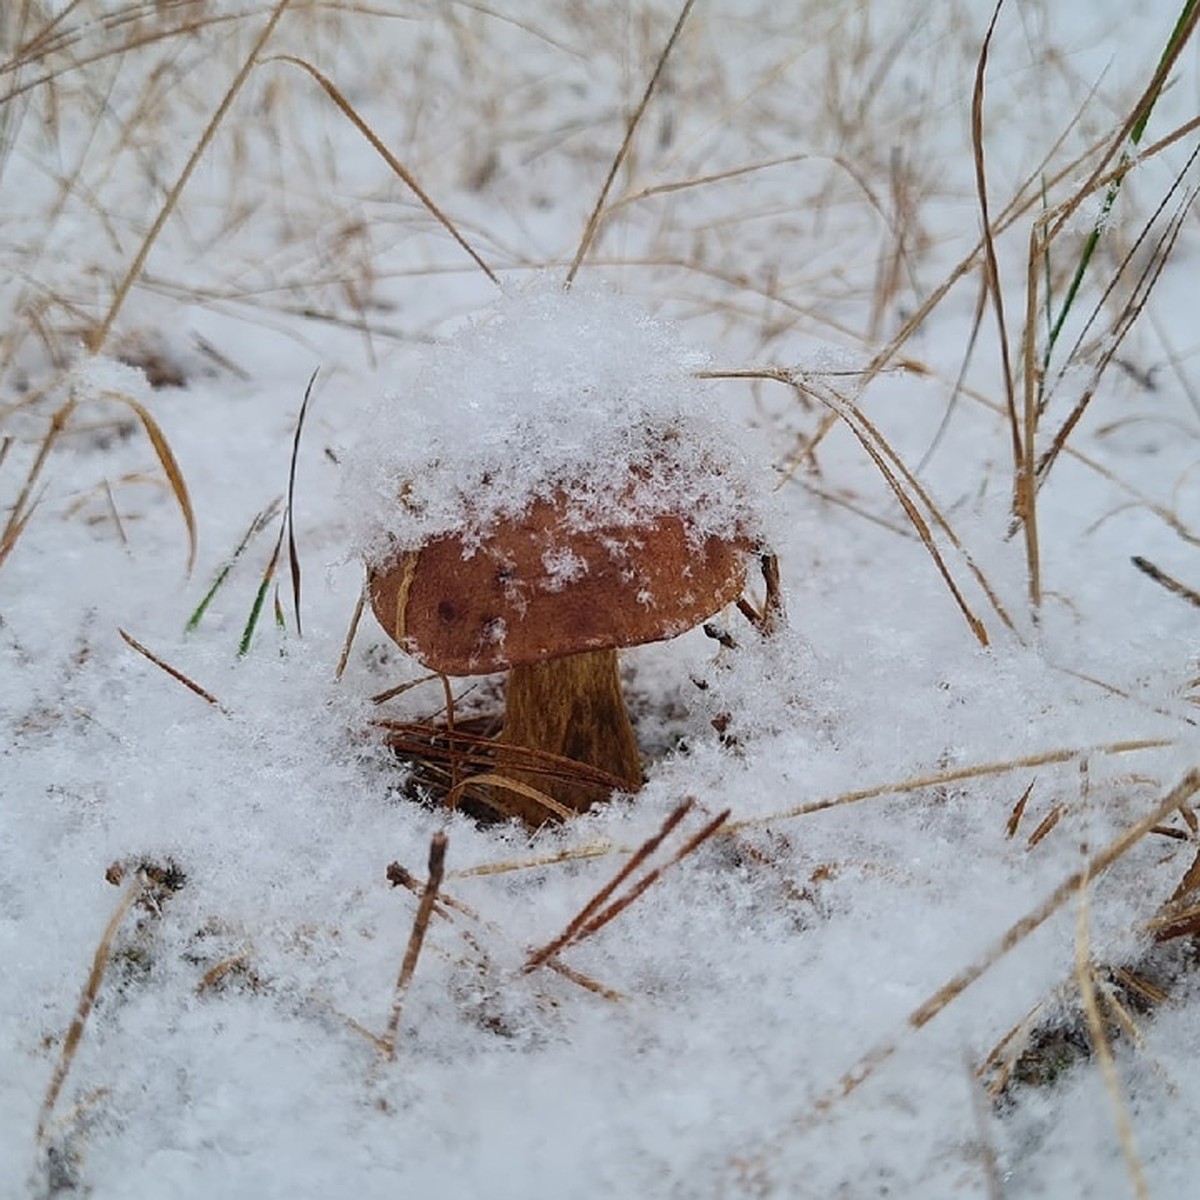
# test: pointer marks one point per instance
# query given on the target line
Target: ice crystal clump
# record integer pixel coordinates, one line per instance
(579, 392)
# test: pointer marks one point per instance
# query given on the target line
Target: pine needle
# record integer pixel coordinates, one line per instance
(174, 672)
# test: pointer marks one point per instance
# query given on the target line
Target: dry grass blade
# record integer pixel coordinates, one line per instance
(86, 1000)
(893, 469)
(593, 223)
(991, 265)
(599, 849)
(400, 688)
(447, 905)
(174, 673)
(602, 849)
(1103, 1050)
(1138, 115)
(862, 430)
(15, 527)
(492, 782)
(99, 335)
(955, 775)
(348, 111)
(1024, 502)
(1014, 819)
(169, 464)
(437, 866)
(960, 380)
(878, 1055)
(621, 903)
(22, 509)
(1045, 826)
(1121, 327)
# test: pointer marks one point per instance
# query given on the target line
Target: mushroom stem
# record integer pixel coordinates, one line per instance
(572, 707)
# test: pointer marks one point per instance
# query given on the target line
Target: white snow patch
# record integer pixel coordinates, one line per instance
(580, 392)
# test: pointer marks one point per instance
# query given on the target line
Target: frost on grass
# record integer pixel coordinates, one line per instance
(573, 395)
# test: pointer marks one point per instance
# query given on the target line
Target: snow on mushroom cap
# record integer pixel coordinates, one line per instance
(579, 392)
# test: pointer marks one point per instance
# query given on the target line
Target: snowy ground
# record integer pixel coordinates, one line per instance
(778, 1014)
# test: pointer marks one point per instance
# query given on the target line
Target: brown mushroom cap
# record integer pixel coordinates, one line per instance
(537, 588)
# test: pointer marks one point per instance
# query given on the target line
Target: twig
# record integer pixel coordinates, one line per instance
(447, 904)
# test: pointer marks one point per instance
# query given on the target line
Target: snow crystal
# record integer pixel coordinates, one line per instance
(577, 392)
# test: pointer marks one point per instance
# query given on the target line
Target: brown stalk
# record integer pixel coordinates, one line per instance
(21, 509)
(351, 630)
(437, 866)
(593, 223)
(70, 1046)
(991, 265)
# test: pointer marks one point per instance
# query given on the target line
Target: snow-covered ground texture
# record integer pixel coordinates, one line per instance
(918, 959)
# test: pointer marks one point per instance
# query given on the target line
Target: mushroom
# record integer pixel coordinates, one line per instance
(553, 485)
(552, 602)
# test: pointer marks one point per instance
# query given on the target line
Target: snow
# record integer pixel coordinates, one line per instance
(769, 1038)
(599, 399)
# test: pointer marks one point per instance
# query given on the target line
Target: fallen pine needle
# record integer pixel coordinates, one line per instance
(593, 916)
(580, 919)
(174, 672)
